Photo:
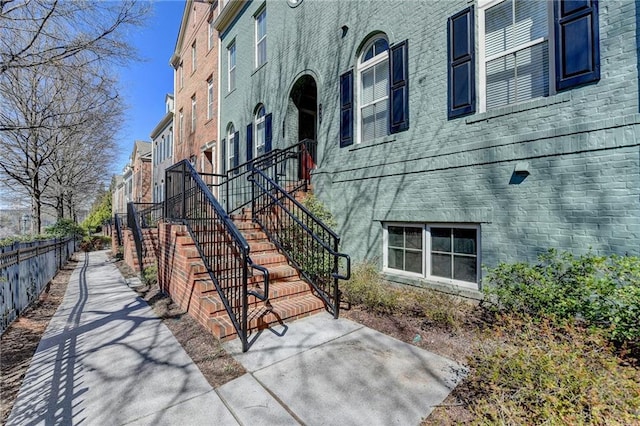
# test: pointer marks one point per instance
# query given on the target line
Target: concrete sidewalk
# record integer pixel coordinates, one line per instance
(106, 359)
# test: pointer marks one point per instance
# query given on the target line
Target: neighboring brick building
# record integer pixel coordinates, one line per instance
(450, 135)
(140, 165)
(162, 153)
(195, 61)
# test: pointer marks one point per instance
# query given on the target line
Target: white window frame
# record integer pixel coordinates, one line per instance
(193, 113)
(260, 15)
(258, 120)
(362, 67)
(210, 98)
(193, 57)
(426, 252)
(210, 40)
(483, 6)
(231, 130)
(170, 151)
(181, 125)
(181, 75)
(231, 66)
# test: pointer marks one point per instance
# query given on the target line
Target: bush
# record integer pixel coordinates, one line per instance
(370, 290)
(541, 373)
(604, 291)
(95, 242)
(64, 228)
(150, 275)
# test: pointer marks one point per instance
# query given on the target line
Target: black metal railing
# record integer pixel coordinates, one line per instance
(133, 222)
(223, 249)
(119, 219)
(309, 244)
(149, 214)
(288, 167)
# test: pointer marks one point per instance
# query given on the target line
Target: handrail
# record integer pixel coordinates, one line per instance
(223, 249)
(307, 242)
(133, 222)
(118, 224)
(234, 190)
(150, 213)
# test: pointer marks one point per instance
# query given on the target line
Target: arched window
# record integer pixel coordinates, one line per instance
(259, 130)
(232, 154)
(373, 74)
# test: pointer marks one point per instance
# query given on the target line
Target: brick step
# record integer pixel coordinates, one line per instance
(261, 318)
(212, 304)
(246, 225)
(256, 247)
(267, 259)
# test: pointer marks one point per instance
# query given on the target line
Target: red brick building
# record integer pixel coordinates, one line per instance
(195, 60)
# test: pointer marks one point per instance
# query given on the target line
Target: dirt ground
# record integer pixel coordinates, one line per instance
(20, 341)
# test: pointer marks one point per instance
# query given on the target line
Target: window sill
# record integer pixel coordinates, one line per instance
(376, 142)
(259, 68)
(525, 106)
(471, 291)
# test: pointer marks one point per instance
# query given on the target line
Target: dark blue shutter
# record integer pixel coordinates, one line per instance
(399, 88)
(461, 51)
(224, 160)
(267, 133)
(577, 39)
(236, 149)
(346, 109)
(249, 142)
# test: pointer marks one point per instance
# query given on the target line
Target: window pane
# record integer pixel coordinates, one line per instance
(381, 119)
(262, 52)
(464, 268)
(441, 239)
(532, 70)
(501, 84)
(380, 46)
(368, 123)
(396, 236)
(413, 261)
(441, 265)
(464, 241)
(413, 238)
(395, 259)
(531, 21)
(498, 28)
(367, 95)
(381, 80)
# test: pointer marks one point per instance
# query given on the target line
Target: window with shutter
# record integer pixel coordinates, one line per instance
(259, 124)
(461, 64)
(515, 60)
(373, 90)
(346, 109)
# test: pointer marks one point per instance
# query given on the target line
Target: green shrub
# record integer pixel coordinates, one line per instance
(604, 291)
(541, 373)
(64, 228)
(150, 275)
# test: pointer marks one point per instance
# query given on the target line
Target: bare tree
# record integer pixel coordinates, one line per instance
(45, 32)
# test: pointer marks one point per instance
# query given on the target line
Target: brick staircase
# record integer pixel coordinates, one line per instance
(289, 296)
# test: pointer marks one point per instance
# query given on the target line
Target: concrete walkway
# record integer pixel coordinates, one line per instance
(106, 359)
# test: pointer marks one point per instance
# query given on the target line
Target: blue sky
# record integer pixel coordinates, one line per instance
(145, 84)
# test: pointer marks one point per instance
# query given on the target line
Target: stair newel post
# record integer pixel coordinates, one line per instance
(245, 302)
(184, 192)
(336, 292)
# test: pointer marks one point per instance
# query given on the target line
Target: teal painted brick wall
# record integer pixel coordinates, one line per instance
(582, 145)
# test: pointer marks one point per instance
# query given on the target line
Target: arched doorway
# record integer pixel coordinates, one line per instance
(304, 96)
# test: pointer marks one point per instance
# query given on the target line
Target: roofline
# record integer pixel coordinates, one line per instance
(228, 14)
(168, 117)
